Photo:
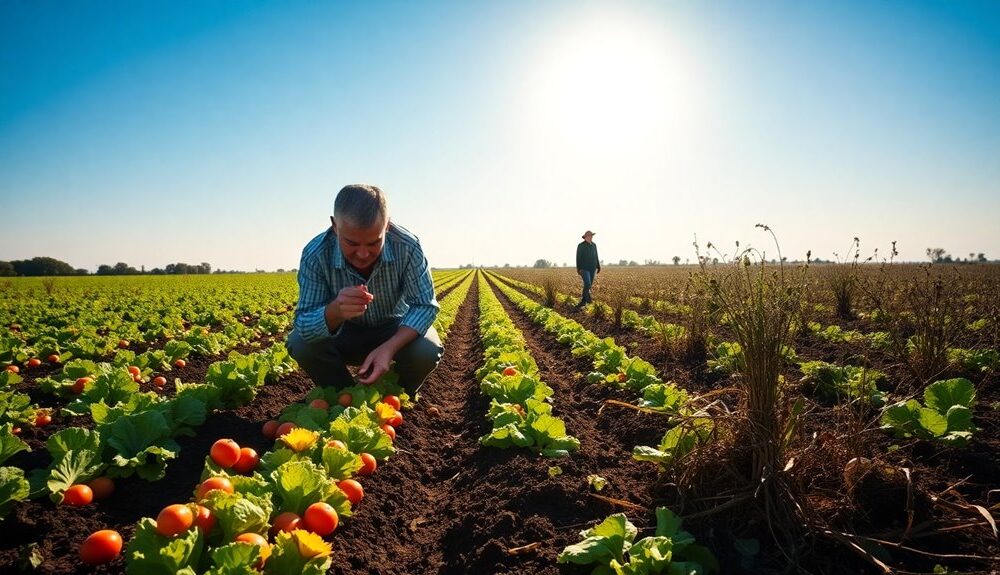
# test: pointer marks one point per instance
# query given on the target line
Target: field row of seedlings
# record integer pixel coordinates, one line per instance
(885, 432)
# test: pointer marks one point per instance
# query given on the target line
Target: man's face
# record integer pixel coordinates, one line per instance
(361, 246)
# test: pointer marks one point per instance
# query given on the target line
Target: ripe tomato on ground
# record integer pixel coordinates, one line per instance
(13, 369)
(159, 381)
(54, 358)
(134, 370)
(345, 399)
(123, 343)
(284, 428)
(368, 464)
(33, 362)
(204, 519)
(247, 462)
(396, 420)
(270, 429)
(225, 453)
(78, 494)
(319, 404)
(337, 444)
(101, 547)
(321, 519)
(79, 384)
(180, 363)
(510, 371)
(213, 483)
(174, 519)
(42, 419)
(352, 489)
(389, 430)
(286, 521)
(393, 401)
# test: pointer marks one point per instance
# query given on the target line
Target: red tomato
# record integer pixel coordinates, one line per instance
(123, 343)
(134, 370)
(33, 362)
(159, 381)
(336, 443)
(352, 489)
(53, 358)
(78, 494)
(389, 430)
(204, 519)
(102, 487)
(225, 453)
(213, 483)
(319, 404)
(368, 464)
(247, 462)
(80, 384)
(174, 519)
(259, 540)
(180, 363)
(345, 399)
(510, 371)
(42, 419)
(286, 522)
(393, 401)
(270, 429)
(16, 430)
(285, 428)
(396, 420)
(101, 547)
(13, 369)
(321, 519)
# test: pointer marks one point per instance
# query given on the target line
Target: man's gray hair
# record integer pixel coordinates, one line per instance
(363, 205)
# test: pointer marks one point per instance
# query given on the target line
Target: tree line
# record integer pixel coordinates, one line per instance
(46, 266)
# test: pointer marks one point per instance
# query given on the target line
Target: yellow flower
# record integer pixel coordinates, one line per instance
(299, 439)
(311, 545)
(384, 412)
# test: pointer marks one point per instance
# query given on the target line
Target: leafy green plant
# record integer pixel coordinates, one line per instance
(611, 547)
(832, 382)
(945, 417)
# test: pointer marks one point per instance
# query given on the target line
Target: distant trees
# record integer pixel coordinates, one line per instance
(541, 263)
(676, 260)
(39, 266)
(123, 269)
(941, 256)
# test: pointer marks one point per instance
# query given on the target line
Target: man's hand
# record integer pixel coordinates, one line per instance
(350, 302)
(376, 364)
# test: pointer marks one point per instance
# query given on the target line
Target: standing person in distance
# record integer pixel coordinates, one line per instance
(365, 298)
(588, 265)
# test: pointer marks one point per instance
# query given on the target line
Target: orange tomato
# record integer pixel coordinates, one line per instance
(123, 343)
(321, 519)
(102, 487)
(285, 428)
(393, 401)
(319, 404)
(13, 369)
(368, 464)
(159, 381)
(225, 453)
(345, 399)
(247, 462)
(286, 521)
(213, 483)
(78, 494)
(54, 358)
(42, 419)
(33, 362)
(134, 370)
(180, 363)
(101, 547)
(270, 429)
(395, 420)
(352, 489)
(80, 384)
(336, 443)
(509, 371)
(174, 519)
(389, 430)
(204, 519)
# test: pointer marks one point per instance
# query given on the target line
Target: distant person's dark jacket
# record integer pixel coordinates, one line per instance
(586, 257)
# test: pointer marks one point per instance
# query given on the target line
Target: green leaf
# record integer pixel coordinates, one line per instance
(73, 467)
(935, 423)
(13, 488)
(10, 444)
(238, 513)
(942, 395)
(340, 463)
(150, 553)
(234, 559)
(608, 540)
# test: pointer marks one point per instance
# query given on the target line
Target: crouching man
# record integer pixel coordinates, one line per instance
(365, 298)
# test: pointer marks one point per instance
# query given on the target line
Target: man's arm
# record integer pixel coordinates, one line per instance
(418, 292)
(314, 295)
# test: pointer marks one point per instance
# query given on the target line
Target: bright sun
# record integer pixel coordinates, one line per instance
(610, 83)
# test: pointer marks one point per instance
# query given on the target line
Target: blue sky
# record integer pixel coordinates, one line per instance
(155, 132)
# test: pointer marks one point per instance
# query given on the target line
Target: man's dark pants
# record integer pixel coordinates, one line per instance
(326, 361)
(588, 280)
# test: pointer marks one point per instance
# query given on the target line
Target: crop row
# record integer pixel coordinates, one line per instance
(520, 403)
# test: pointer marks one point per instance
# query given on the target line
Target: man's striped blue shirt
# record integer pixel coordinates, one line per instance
(400, 281)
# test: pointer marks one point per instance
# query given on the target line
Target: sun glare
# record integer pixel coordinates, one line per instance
(610, 83)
